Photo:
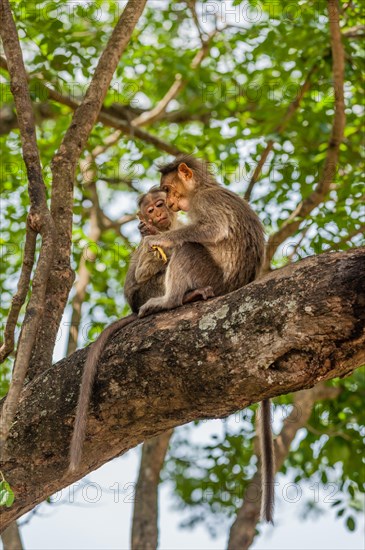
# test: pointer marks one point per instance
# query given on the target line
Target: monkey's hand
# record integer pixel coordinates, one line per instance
(146, 229)
(160, 253)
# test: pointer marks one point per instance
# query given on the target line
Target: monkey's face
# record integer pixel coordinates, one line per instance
(179, 187)
(155, 211)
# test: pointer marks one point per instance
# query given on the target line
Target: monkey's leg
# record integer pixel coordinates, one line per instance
(198, 294)
(191, 269)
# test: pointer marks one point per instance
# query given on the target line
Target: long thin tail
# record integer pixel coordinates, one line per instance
(88, 377)
(267, 462)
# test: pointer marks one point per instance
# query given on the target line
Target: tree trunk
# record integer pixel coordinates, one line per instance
(287, 331)
(145, 513)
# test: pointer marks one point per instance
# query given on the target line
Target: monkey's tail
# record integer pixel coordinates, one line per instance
(267, 462)
(87, 381)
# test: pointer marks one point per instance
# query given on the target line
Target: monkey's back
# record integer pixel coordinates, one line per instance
(239, 248)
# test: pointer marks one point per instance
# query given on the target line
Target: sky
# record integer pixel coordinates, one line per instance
(98, 517)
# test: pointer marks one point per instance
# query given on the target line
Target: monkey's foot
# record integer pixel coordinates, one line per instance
(154, 305)
(198, 294)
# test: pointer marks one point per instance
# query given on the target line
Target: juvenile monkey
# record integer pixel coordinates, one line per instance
(145, 279)
(146, 273)
(223, 246)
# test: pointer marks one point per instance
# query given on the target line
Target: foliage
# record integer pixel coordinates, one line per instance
(326, 461)
(6, 492)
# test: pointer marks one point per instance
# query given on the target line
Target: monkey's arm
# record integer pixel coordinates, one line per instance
(148, 264)
(204, 233)
(143, 266)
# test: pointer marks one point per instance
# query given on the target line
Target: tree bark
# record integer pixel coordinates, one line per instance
(288, 331)
(145, 513)
(11, 538)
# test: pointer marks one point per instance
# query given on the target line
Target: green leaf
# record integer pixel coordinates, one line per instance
(351, 524)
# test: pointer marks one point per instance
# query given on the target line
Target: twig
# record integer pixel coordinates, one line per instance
(21, 293)
(293, 222)
(293, 107)
(39, 219)
(107, 119)
(176, 87)
(360, 230)
(358, 31)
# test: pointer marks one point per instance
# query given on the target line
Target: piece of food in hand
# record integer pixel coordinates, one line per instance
(159, 253)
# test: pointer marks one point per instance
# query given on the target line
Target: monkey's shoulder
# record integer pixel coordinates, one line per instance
(224, 201)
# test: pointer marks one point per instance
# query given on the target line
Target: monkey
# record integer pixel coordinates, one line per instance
(146, 273)
(222, 246)
(145, 279)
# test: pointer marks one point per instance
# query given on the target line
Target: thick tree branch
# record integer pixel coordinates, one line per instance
(318, 195)
(63, 171)
(39, 221)
(288, 331)
(243, 530)
(145, 513)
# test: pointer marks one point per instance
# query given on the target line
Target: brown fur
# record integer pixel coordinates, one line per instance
(223, 246)
(146, 274)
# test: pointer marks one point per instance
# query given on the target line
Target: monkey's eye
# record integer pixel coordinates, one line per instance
(159, 204)
(150, 210)
(165, 189)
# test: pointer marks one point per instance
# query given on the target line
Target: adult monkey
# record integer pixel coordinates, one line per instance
(232, 238)
(145, 279)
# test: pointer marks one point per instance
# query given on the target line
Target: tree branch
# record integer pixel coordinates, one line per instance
(347, 239)
(175, 88)
(63, 171)
(98, 222)
(293, 107)
(287, 331)
(21, 293)
(108, 117)
(243, 530)
(11, 538)
(38, 221)
(317, 196)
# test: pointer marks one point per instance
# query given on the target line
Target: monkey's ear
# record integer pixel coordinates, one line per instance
(139, 216)
(184, 171)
